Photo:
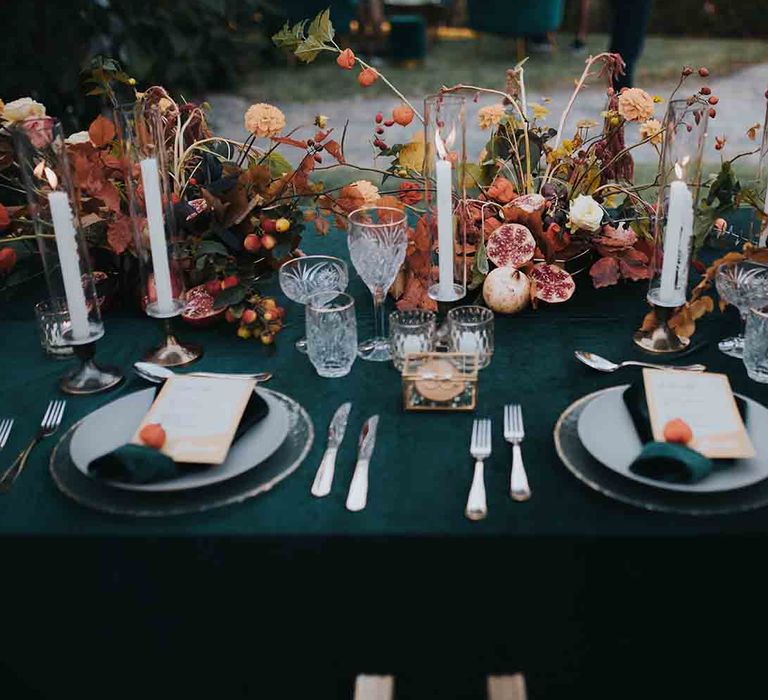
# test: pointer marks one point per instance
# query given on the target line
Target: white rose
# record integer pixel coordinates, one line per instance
(21, 109)
(79, 137)
(585, 214)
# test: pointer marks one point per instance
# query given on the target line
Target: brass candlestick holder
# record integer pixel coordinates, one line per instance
(662, 339)
(88, 377)
(172, 352)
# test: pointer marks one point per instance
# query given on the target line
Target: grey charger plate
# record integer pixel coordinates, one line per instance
(607, 431)
(261, 478)
(588, 470)
(115, 423)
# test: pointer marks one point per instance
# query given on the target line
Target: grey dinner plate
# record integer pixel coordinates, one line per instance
(114, 424)
(606, 430)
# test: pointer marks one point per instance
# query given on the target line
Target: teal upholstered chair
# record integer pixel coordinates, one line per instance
(515, 18)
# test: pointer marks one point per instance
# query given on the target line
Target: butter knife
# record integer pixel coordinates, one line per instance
(324, 477)
(358, 489)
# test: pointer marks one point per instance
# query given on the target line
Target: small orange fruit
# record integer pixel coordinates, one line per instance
(152, 435)
(678, 431)
(402, 115)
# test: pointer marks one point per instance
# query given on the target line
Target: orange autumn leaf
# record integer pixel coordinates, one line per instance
(501, 190)
(5, 217)
(650, 322)
(101, 131)
(604, 273)
(119, 234)
(333, 148)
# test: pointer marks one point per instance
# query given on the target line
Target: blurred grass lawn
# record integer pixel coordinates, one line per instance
(484, 62)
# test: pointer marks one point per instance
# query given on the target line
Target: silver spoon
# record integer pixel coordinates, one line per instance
(157, 373)
(603, 365)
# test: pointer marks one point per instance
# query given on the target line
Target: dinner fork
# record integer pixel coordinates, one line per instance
(48, 426)
(514, 433)
(480, 449)
(5, 431)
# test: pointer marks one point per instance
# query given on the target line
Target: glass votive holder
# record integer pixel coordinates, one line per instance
(410, 331)
(52, 317)
(756, 345)
(470, 330)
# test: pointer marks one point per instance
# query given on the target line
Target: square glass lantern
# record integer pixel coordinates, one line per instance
(440, 381)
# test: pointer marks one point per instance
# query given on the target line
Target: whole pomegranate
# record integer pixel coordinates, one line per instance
(7, 260)
(507, 290)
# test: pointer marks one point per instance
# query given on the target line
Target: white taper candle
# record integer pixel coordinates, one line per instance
(150, 177)
(677, 240)
(444, 228)
(69, 261)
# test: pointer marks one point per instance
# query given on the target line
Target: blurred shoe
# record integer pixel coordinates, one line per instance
(578, 46)
(540, 47)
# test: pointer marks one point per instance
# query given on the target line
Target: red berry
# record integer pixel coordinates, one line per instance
(718, 146)
(269, 316)
(688, 127)
(379, 130)
(766, 94)
(267, 338)
(213, 287)
(252, 243)
(714, 100)
(231, 281)
(379, 117)
(268, 242)
(703, 72)
(230, 316)
(390, 122)
(249, 316)
(712, 112)
(705, 90)
(687, 70)
(268, 225)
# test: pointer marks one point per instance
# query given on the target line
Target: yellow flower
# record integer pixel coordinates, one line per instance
(635, 105)
(586, 124)
(490, 116)
(321, 121)
(567, 144)
(539, 111)
(264, 120)
(22, 108)
(652, 129)
(657, 99)
(367, 190)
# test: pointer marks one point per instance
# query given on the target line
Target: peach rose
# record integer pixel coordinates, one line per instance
(264, 120)
(635, 105)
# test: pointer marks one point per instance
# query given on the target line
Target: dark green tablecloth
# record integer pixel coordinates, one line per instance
(571, 587)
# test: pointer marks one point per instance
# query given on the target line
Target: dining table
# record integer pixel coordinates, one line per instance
(293, 593)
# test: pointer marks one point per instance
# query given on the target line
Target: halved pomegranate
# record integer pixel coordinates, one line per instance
(553, 284)
(510, 245)
(199, 309)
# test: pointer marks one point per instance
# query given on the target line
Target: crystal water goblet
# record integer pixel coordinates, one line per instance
(377, 240)
(302, 277)
(745, 285)
(331, 333)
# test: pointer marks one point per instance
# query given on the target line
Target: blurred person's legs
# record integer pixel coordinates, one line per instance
(628, 27)
(579, 42)
(371, 15)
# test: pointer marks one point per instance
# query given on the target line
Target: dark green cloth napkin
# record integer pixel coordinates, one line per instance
(138, 464)
(662, 461)
(665, 461)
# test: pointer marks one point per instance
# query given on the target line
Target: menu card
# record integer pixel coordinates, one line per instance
(703, 400)
(200, 416)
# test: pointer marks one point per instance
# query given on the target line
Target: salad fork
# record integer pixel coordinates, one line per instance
(480, 449)
(514, 433)
(48, 426)
(5, 431)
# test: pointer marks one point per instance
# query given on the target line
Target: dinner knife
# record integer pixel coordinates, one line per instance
(358, 489)
(324, 477)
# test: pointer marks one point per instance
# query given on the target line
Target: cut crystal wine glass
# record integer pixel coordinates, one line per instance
(302, 277)
(745, 285)
(377, 241)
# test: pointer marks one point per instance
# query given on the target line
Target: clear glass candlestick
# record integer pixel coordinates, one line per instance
(302, 277)
(143, 132)
(377, 240)
(52, 318)
(53, 208)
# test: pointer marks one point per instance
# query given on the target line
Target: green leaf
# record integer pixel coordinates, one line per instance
(308, 50)
(211, 248)
(481, 258)
(201, 262)
(289, 37)
(278, 165)
(230, 296)
(321, 28)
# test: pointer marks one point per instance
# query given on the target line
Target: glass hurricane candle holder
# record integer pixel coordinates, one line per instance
(444, 194)
(142, 130)
(685, 130)
(411, 331)
(53, 207)
(52, 316)
(471, 331)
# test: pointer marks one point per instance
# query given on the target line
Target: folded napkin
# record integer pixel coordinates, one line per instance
(666, 461)
(138, 464)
